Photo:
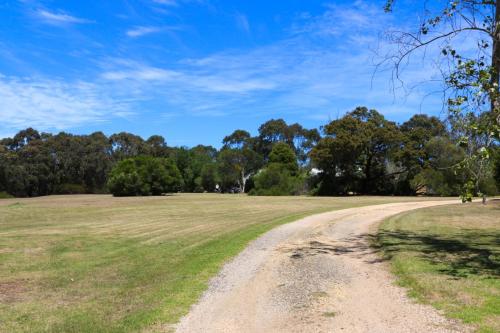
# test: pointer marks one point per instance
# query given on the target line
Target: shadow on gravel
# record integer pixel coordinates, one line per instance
(458, 255)
(473, 252)
(355, 245)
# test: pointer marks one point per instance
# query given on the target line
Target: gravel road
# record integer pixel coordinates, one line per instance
(316, 275)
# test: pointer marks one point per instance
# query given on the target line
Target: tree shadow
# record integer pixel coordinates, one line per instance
(459, 254)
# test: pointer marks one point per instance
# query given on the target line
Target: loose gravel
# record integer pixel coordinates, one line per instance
(318, 274)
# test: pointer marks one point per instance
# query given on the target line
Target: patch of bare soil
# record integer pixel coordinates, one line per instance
(12, 291)
(318, 274)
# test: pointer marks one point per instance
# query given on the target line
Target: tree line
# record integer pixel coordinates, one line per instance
(360, 153)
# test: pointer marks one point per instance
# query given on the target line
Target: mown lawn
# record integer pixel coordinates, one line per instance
(449, 257)
(102, 264)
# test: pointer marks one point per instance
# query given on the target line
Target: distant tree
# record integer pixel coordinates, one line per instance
(301, 140)
(271, 132)
(203, 165)
(191, 162)
(412, 155)
(497, 167)
(354, 152)
(237, 140)
(96, 162)
(276, 180)
(28, 165)
(281, 175)
(437, 175)
(471, 76)
(127, 145)
(142, 176)
(284, 155)
(236, 166)
(157, 146)
(209, 177)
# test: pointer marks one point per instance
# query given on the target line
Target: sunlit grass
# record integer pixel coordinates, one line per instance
(449, 257)
(103, 264)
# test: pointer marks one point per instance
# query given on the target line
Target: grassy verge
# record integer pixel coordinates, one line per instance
(449, 257)
(5, 195)
(102, 264)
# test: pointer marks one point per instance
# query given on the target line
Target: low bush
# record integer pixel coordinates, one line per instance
(69, 188)
(144, 175)
(276, 179)
(5, 195)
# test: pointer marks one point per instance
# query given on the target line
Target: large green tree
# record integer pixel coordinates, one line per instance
(238, 160)
(412, 154)
(354, 152)
(144, 175)
(281, 176)
(465, 36)
(300, 139)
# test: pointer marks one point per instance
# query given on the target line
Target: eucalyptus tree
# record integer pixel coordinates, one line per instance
(238, 160)
(471, 77)
(354, 152)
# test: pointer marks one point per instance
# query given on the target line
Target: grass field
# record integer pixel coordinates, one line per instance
(103, 264)
(449, 257)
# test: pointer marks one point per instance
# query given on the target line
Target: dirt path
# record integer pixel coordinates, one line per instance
(314, 275)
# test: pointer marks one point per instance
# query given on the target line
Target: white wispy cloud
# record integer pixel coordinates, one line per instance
(50, 104)
(242, 22)
(191, 78)
(138, 72)
(167, 2)
(323, 68)
(309, 74)
(141, 31)
(59, 18)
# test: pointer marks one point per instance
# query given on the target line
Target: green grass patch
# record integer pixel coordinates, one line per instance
(94, 263)
(449, 257)
(5, 195)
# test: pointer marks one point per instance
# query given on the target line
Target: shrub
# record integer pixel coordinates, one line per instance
(144, 175)
(68, 188)
(277, 179)
(284, 155)
(5, 195)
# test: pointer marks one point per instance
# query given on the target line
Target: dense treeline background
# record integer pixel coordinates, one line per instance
(360, 153)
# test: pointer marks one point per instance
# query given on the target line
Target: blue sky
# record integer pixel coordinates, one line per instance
(195, 70)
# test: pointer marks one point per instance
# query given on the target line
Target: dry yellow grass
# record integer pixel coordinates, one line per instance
(94, 263)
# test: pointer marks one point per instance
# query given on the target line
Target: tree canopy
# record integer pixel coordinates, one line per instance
(359, 153)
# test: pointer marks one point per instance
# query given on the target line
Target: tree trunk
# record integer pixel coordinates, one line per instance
(495, 62)
(368, 174)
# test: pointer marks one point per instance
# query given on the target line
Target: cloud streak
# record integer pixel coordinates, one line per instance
(59, 18)
(141, 31)
(309, 74)
(50, 104)
(321, 70)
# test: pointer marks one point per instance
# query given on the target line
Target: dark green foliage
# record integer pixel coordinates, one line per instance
(144, 175)
(236, 166)
(238, 161)
(276, 179)
(437, 175)
(354, 153)
(301, 140)
(71, 189)
(496, 166)
(198, 167)
(5, 195)
(127, 145)
(284, 155)
(360, 153)
(413, 155)
(157, 146)
(281, 176)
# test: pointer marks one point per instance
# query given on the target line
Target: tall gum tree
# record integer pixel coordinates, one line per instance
(471, 76)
